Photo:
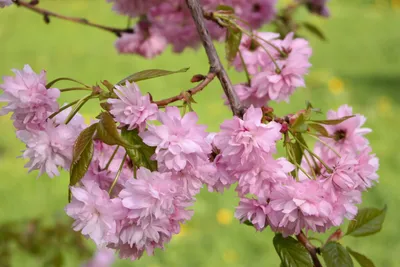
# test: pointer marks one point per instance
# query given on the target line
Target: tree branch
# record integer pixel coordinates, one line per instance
(47, 14)
(310, 247)
(215, 62)
(210, 76)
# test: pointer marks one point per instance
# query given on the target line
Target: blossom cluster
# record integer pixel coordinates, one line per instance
(124, 206)
(277, 67)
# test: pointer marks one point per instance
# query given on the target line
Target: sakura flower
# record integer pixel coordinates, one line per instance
(28, 98)
(151, 194)
(146, 41)
(255, 56)
(132, 109)
(4, 3)
(262, 178)
(156, 206)
(94, 213)
(254, 211)
(243, 143)
(299, 205)
(49, 148)
(180, 141)
(368, 165)
(133, 8)
(77, 122)
(104, 257)
(348, 136)
(251, 95)
(255, 12)
(343, 206)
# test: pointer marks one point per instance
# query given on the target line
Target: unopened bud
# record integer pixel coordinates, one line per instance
(197, 78)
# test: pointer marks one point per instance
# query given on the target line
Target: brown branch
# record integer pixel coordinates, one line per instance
(207, 79)
(215, 62)
(310, 247)
(47, 14)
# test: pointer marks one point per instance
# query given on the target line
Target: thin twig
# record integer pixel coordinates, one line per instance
(310, 247)
(47, 14)
(214, 60)
(210, 76)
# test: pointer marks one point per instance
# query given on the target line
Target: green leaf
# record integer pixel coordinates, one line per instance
(335, 255)
(367, 222)
(149, 74)
(108, 133)
(300, 124)
(319, 128)
(226, 8)
(83, 141)
(314, 30)
(361, 259)
(82, 155)
(333, 122)
(141, 153)
(232, 43)
(291, 252)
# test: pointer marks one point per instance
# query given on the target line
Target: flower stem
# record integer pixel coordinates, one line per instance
(118, 174)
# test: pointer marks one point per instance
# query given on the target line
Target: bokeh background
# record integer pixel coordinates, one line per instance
(359, 64)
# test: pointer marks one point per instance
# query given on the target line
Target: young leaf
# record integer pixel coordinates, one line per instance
(361, 259)
(314, 30)
(149, 74)
(367, 222)
(336, 255)
(319, 128)
(141, 153)
(226, 8)
(232, 43)
(82, 142)
(108, 133)
(291, 252)
(333, 122)
(299, 124)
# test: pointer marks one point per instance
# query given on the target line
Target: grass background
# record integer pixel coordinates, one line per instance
(358, 65)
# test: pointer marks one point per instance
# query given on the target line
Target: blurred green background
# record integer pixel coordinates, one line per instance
(358, 65)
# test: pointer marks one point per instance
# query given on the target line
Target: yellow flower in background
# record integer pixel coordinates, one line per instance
(230, 256)
(384, 105)
(224, 216)
(336, 86)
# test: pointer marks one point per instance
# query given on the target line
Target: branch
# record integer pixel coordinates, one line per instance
(310, 247)
(215, 62)
(210, 76)
(47, 14)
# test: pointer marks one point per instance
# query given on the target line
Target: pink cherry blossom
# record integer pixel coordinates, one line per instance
(254, 211)
(104, 257)
(299, 206)
(156, 206)
(255, 12)
(251, 95)
(28, 98)
(262, 178)
(368, 165)
(180, 141)
(94, 213)
(343, 206)
(49, 148)
(243, 143)
(132, 109)
(255, 56)
(146, 41)
(133, 8)
(4, 3)
(348, 136)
